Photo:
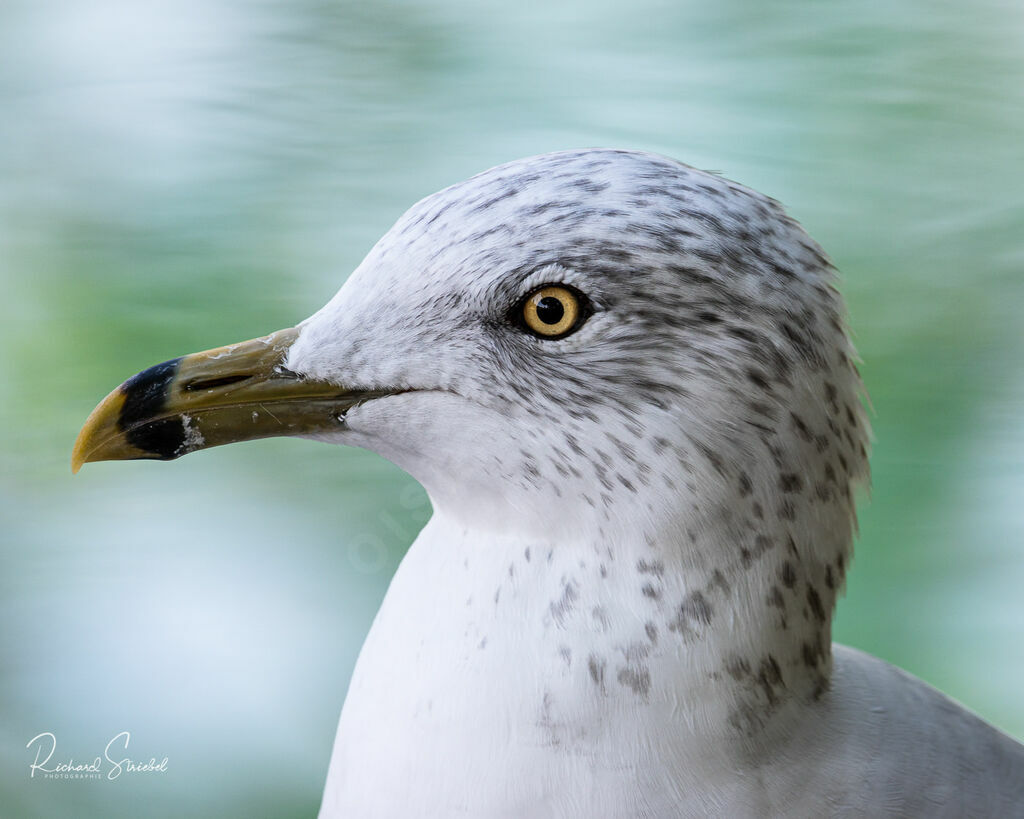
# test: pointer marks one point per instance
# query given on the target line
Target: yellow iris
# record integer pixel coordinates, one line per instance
(551, 311)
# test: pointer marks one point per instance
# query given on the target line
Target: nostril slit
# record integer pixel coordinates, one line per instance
(213, 383)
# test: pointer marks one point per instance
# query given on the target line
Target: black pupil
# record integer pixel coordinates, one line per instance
(550, 310)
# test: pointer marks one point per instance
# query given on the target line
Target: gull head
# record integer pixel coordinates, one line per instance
(585, 344)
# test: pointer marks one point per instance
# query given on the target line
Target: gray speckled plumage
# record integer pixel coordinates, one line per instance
(622, 604)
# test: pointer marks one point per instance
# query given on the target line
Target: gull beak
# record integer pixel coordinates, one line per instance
(236, 393)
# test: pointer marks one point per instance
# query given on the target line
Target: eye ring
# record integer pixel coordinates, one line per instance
(553, 311)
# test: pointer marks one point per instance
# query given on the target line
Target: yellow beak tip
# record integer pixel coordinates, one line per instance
(97, 429)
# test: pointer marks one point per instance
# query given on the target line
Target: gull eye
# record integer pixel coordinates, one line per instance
(553, 311)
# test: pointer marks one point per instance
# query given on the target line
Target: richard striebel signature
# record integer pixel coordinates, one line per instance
(111, 764)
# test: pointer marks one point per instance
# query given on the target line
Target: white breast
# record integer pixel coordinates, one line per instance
(518, 700)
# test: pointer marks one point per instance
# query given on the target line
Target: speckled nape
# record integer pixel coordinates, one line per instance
(700, 437)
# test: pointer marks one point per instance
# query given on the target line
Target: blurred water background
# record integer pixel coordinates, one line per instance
(179, 175)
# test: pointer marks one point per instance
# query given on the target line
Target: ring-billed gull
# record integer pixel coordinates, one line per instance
(627, 388)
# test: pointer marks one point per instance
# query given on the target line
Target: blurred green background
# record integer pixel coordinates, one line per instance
(176, 175)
